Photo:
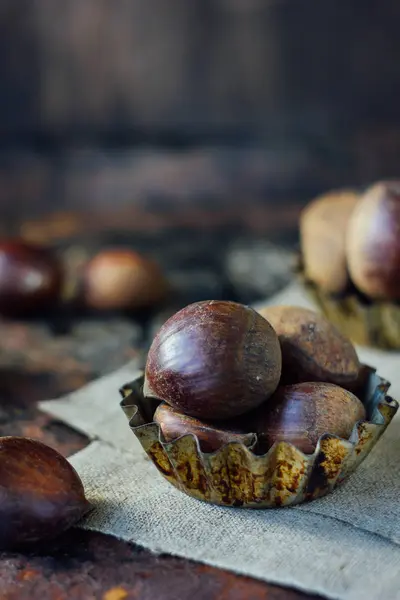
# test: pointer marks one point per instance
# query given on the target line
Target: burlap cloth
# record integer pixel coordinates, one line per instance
(344, 546)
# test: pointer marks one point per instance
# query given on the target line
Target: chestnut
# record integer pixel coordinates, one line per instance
(174, 424)
(373, 242)
(31, 278)
(299, 414)
(213, 359)
(41, 495)
(323, 225)
(312, 348)
(121, 279)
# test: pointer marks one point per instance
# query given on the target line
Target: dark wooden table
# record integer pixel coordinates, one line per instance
(45, 358)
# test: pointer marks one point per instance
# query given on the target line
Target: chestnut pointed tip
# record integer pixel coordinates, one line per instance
(147, 390)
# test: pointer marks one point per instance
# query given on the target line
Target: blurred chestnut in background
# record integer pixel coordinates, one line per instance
(211, 437)
(299, 414)
(213, 360)
(31, 278)
(312, 348)
(41, 495)
(323, 224)
(373, 242)
(121, 279)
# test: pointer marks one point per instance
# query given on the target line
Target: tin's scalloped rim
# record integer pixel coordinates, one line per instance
(234, 475)
(374, 324)
(132, 411)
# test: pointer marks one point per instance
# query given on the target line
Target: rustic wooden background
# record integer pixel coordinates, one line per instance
(122, 101)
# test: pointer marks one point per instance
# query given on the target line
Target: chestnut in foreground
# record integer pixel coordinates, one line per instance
(373, 242)
(323, 224)
(31, 278)
(121, 279)
(41, 495)
(299, 414)
(214, 360)
(211, 437)
(312, 348)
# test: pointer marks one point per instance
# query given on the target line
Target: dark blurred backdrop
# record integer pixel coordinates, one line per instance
(153, 102)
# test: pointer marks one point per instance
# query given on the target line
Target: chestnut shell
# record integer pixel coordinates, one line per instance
(323, 224)
(121, 279)
(300, 414)
(312, 348)
(211, 436)
(31, 278)
(373, 242)
(41, 495)
(214, 360)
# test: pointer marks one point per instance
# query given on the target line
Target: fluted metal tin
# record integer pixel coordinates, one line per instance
(235, 475)
(375, 324)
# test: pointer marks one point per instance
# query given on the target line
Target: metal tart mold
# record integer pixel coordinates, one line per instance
(237, 475)
(375, 324)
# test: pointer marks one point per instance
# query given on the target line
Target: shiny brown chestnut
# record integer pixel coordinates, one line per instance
(174, 424)
(121, 279)
(312, 348)
(41, 495)
(300, 414)
(31, 278)
(373, 242)
(323, 224)
(213, 360)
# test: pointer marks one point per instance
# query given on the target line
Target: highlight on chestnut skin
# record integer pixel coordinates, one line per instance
(31, 278)
(214, 360)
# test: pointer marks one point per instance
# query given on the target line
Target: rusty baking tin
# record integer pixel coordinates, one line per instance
(375, 324)
(235, 475)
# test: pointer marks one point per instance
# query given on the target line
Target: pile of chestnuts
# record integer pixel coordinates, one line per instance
(350, 240)
(41, 495)
(225, 372)
(34, 279)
